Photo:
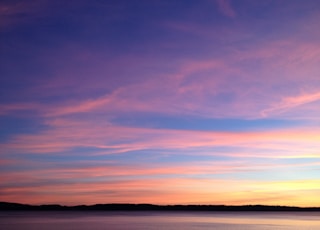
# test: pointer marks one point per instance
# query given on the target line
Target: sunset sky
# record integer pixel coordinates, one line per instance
(160, 101)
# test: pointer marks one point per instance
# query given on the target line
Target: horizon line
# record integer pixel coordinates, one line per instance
(142, 206)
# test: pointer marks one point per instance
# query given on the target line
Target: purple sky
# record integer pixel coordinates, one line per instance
(160, 101)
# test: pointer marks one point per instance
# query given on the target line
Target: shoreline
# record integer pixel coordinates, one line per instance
(7, 206)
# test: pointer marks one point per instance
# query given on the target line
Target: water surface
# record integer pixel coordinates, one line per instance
(67, 220)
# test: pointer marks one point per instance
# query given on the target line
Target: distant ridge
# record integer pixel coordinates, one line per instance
(7, 206)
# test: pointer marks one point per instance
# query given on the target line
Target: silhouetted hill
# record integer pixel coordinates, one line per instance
(6, 206)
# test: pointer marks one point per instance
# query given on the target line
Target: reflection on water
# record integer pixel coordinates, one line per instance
(159, 220)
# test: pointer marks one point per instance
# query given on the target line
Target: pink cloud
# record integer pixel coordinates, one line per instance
(226, 8)
(42, 177)
(198, 87)
(171, 190)
(16, 12)
(79, 107)
(198, 83)
(13, 108)
(66, 134)
(113, 174)
(289, 103)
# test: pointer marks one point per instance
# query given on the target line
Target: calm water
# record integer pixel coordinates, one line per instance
(158, 220)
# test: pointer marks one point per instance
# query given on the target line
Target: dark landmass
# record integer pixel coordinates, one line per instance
(6, 206)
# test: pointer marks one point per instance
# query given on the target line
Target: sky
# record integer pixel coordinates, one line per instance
(160, 101)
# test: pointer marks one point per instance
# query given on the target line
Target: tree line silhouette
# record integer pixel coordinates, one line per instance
(6, 206)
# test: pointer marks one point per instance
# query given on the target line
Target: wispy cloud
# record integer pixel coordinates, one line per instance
(166, 191)
(289, 103)
(15, 12)
(18, 107)
(226, 8)
(66, 134)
